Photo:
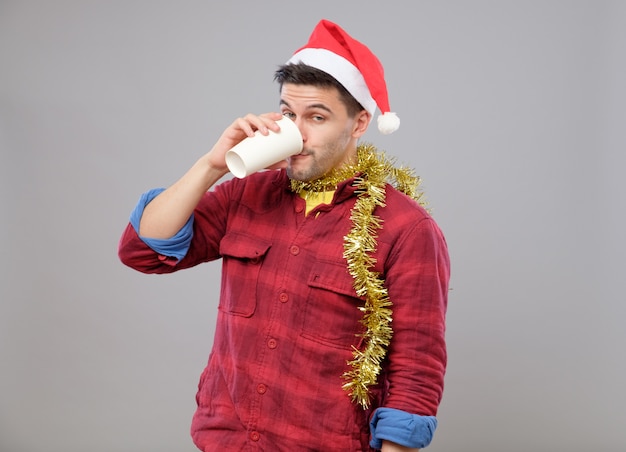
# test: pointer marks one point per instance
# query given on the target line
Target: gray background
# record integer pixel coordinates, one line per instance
(512, 112)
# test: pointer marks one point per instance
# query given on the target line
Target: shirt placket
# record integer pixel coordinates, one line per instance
(277, 317)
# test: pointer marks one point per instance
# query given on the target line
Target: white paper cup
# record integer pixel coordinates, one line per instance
(260, 151)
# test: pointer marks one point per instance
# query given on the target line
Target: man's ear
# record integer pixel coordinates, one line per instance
(362, 121)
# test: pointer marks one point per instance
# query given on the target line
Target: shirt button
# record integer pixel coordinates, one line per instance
(261, 389)
(162, 258)
(283, 297)
(299, 209)
(272, 343)
(255, 436)
(295, 250)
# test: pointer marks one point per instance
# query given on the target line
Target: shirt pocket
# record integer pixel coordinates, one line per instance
(332, 307)
(242, 258)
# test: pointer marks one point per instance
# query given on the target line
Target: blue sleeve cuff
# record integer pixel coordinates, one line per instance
(176, 246)
(400, 427)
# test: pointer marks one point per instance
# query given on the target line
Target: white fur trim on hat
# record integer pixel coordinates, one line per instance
(342, 70)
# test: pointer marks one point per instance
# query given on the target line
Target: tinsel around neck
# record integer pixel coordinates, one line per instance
(373, 165)
(372, 171)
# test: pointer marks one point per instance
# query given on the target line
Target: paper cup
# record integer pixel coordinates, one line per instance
(260, 151)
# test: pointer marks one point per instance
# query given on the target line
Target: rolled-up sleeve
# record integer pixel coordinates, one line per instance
(400, 427)
(177, 245)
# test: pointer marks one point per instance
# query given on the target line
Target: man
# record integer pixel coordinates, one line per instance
(331, 319)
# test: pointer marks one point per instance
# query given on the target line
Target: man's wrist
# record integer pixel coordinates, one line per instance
(389, 446)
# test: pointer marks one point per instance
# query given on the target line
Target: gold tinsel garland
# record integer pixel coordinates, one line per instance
(372, 172)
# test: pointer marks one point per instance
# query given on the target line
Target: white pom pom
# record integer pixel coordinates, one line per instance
(388, 123)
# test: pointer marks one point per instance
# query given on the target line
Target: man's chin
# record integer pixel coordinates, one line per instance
(294, 174)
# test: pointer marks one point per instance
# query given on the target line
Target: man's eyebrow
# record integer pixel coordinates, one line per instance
(308, 107)
(320, 106)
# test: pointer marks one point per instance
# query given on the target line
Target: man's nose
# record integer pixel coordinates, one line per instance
(301, 128)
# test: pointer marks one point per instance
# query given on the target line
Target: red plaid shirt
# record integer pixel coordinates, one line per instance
(288, 316)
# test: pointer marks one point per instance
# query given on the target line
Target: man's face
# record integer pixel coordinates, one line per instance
(329, 133)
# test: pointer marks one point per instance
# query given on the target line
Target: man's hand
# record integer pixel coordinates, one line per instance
(240, 129)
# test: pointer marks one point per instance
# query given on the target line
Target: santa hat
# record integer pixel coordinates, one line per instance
(352, 64)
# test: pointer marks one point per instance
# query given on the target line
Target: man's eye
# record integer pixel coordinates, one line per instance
(318, 118)
(289, 115)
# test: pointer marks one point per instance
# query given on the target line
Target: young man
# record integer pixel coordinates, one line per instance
(331, 320)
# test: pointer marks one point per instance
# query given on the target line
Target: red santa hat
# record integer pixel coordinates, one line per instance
(352, 64)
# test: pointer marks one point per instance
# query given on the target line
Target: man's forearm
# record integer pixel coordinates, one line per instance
(168, 212)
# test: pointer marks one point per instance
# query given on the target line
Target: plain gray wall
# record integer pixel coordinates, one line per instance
(512, 112)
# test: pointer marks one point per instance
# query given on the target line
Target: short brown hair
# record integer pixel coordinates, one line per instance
(303, 74)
